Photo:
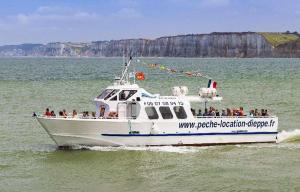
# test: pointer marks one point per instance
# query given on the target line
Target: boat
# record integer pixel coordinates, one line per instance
(128, 115)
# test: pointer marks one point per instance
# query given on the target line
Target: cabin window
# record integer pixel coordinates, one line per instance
(104, 93)
(115, 98)
(180, 112)
(111, 93)
(151, 112)
(126, 94)
(165, 112)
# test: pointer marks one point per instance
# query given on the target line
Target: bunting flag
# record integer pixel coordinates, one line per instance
(170, 70)
(162, 67)
(211, 83)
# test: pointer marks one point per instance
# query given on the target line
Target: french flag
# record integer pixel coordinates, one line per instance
(212, 84)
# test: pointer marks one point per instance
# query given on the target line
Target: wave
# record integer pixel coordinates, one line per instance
(288, 136)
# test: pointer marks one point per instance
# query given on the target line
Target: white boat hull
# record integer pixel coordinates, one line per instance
(118, 132)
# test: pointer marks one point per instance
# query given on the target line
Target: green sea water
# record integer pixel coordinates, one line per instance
(30, 161)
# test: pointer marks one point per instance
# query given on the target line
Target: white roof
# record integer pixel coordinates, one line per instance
(125, 86)
(196, 98)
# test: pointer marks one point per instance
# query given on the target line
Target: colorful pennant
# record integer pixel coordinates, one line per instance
(170, 70)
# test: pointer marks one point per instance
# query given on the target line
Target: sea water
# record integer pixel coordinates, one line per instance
(30, 160)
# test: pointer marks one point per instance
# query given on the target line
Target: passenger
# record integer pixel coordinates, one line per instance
(94, 115)
(47, 112)
(60, 113)
(212, 111)
(217, 113)
(53, 114)
(251, 113)
(102, 111)
(266, 113)
(241, 111)
(223, 112)
(193, 111)
(113, 115)
(122, 96)
(229, 112)
(262, 112)
(34, 114)
(205, 112)
(65, 113)
(85, 114)
(74, 115)
(235, 112)
(256, 114)
(209, 111)
(199, 112)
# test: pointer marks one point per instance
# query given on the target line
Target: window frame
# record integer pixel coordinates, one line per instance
(128, 96)
(169, 112)
(111, 94)
(178, 114)
(104, 93)
(155, 115)
(114, 98)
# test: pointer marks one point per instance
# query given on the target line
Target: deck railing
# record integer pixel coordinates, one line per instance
(80, 116)
(200, 117)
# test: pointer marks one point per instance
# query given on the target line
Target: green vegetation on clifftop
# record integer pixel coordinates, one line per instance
(279, 38)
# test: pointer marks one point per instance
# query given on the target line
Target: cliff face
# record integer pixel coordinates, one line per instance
(206, 45)
(248, 44)
(20, 50)
(289, 49)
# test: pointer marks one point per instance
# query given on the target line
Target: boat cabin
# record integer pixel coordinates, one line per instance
(124, 100)
(132, 102)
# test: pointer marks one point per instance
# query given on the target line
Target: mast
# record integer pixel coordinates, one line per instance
(125, 75)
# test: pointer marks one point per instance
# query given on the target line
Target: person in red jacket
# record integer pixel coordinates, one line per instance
(47, 112)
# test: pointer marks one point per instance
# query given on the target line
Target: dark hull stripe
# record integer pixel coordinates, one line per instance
(189, 134)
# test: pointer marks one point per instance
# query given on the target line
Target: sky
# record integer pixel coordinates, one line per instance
(43, 21)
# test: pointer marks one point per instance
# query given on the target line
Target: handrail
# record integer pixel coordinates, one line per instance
(235, 116)
(81, 117)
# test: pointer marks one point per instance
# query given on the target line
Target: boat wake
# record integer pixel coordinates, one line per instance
(283, 137)
(170, 149)
(288, 136)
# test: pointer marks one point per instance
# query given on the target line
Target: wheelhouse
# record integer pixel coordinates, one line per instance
(132, 102)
